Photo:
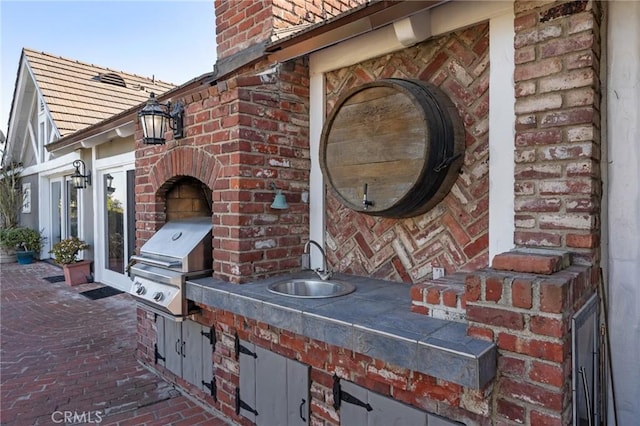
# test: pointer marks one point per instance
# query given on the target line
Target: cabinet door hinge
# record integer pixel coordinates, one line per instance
(339, 395)
(211, 335)
(157, 355)
(213, 389)
(240, 404)
(239, 348)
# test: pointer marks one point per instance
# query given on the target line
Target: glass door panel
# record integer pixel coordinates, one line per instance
(115, 224)
(56, 212)
(72, 210)
(115, 191)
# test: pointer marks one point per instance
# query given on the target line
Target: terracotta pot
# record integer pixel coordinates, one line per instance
(77, 273)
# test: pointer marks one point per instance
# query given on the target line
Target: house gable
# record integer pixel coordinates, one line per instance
(55, 97)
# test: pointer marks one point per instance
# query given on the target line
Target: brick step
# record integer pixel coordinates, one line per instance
(441, 298)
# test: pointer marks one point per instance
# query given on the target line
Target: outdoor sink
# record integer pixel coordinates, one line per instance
(311, 288)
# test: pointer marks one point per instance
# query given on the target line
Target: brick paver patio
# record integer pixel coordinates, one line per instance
(64, 355)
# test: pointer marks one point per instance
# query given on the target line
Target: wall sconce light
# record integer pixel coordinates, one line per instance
(155, 117)
(109, 180)
(79, 179)
(279, 201)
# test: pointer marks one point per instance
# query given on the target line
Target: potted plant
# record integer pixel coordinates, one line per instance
(65, 253)
(28, 242)
(8, 243)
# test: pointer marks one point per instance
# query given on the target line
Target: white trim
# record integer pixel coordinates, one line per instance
(52, 167)
(460, 14)
(316, 180)
(18, 100)
(40, 96)
(123, 131)
(44, 213)
(120, 160)
(33, 139)
(33, 136)
(621, 207)
(501, 134)
(440, 20)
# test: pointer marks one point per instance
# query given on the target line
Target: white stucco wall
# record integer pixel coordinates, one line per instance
(623, 187)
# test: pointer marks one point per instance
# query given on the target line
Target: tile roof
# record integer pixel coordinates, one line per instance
(78, 94)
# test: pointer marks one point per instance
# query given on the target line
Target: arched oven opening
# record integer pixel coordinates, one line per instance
(187, 197)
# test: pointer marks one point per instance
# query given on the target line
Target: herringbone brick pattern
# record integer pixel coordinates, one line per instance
(453, 235)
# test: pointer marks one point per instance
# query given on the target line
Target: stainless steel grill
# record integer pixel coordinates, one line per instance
(178, 251)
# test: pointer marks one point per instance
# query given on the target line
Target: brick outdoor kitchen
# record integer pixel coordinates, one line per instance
(252, 127)
(518, 234)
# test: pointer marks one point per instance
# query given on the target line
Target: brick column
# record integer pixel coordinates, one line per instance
(557, 173)
(242, 135)
(242, 25)
(525, 305)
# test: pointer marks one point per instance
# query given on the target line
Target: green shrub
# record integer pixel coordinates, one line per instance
(8, 238)
(66, 251)
(21, 238)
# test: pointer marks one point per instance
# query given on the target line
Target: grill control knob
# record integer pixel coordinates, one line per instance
(158, 296)
(140, 290)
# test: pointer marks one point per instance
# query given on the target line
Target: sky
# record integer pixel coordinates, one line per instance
(173, 40)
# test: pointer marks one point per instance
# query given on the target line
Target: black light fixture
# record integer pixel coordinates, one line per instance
(79, 179)
(155, 117)
(109, 179)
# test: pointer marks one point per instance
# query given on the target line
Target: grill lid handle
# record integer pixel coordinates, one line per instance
(155, 262)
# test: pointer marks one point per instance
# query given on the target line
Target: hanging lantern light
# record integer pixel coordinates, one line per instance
(155, 117)
(79, 179)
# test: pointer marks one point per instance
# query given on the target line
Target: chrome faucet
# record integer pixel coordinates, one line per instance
(324, 274)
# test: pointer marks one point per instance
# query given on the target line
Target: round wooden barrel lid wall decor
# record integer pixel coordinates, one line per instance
(392, 147)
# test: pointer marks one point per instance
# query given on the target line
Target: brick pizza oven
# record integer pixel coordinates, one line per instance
(248, 127)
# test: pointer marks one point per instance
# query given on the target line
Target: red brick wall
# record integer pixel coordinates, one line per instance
(243, 23)
(525, 305)
(453, 235)
(527, 311)
(241, 135)
(557, 176)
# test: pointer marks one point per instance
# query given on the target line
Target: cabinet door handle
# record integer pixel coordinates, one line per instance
(184, 355)
(301, 413)
(177, 347)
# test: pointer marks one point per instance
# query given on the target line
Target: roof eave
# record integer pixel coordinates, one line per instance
(363, 19)
(103, 131)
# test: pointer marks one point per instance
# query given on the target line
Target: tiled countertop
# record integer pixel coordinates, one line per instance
(375, 320)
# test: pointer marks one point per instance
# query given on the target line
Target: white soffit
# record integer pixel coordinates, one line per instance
(439, 20)
(122, 131)
(55, 166)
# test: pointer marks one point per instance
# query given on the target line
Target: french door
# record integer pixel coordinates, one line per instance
(64, 210)
(115, 233)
